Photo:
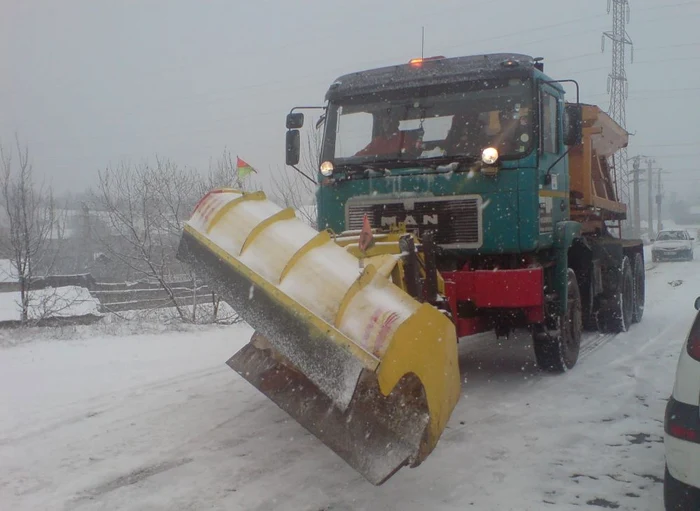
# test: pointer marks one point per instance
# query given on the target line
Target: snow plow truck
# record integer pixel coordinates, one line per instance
(454, 196)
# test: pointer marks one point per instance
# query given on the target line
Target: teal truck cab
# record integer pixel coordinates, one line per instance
(507, 185)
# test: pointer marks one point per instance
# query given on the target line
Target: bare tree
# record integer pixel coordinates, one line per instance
(146, 207)
(31, 223)
(292, 190)
(137, 202)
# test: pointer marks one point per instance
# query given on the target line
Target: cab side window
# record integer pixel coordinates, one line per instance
(549, 124)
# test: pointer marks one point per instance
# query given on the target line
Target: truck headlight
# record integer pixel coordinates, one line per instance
(489, 155)
(327, 168)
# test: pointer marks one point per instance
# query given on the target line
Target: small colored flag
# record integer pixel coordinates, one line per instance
(366, 238)
(243, 168)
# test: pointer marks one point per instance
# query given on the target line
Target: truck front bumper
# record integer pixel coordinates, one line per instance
(487, 292)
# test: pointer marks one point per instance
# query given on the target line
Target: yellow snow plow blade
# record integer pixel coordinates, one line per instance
(352, 357)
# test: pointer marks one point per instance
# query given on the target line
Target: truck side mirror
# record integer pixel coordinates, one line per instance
(573, 125)
(293, 144)
(295, 121)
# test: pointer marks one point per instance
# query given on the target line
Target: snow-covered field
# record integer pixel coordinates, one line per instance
(95, 419)
(7, 271)
(63, 301)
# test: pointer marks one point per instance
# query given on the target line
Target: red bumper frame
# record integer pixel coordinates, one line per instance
(521, 289)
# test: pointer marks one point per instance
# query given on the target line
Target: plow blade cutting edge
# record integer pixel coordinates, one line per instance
(349, 355)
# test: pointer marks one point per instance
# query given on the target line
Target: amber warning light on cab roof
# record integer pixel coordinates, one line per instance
(418, 62)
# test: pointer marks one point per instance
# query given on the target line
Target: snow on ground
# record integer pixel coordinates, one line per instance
(50, 302)
(157, 421)
(8, 273)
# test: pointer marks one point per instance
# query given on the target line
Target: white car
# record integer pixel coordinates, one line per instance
(672, 244)
(682, 428)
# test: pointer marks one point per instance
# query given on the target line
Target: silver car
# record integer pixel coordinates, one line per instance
(672, 244)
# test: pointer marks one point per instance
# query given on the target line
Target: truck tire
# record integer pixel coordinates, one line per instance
(616, 315)
(558, 350)
(639, 278)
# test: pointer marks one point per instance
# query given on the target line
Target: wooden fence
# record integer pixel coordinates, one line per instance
(125, 296)
(148, 295)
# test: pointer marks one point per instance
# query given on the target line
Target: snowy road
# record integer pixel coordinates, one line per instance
(159, 422)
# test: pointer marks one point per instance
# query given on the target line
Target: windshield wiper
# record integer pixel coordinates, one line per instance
(438, 163)
(441, 164)
(362, 167)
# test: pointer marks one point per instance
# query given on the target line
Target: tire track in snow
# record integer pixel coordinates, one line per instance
(594, 341)
(97, 405)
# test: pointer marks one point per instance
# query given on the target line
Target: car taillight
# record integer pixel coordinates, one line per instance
(694, 339)
(678, 431)
(682, 421)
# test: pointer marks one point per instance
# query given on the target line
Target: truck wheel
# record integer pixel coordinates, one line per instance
(616, 315)
(558, 350)
(639, 278)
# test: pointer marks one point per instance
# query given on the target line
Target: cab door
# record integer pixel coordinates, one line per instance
(553, 190)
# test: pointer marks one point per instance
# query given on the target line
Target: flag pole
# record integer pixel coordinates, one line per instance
(239, 183)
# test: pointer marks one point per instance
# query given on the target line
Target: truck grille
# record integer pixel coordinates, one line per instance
(456, 221)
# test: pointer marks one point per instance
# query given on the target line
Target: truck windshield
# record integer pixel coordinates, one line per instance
(431, 122)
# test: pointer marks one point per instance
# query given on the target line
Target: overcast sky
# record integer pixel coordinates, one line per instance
(89, 82)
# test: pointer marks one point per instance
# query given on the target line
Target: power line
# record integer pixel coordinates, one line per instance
(378, 35)
(395, 58)
(657, 61)
(668, 6)
(684, 169)
(645, 91)
(668, 46)
(687, 155)
(216, 96)
(651, 99)
(303, 85)
(238, 117)
(669, 145)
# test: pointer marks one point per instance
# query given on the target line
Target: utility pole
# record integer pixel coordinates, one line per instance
(659, 225)
(659, 198)
(86, 249)
(618, 88)
(635, 203)
(650, 203)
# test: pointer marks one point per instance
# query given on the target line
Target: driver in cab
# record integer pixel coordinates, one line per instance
(507, 130)
(391, 141)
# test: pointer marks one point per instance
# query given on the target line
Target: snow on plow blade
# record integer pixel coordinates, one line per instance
(349, 355)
